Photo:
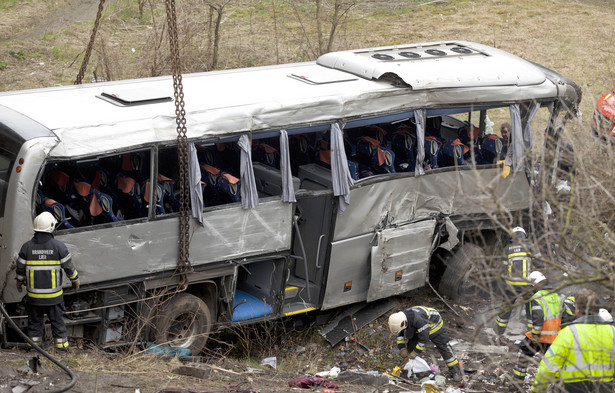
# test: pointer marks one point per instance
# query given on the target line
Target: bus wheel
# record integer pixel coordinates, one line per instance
(184, 321)
(461, 279)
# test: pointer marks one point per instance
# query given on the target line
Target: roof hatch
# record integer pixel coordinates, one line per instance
(135, 97)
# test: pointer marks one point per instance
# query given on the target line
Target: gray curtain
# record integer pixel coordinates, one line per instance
(419, 117)
(288, 190)
(340, 173)
(528, 138)
(249, 195)
(194, 179)
(516, 149)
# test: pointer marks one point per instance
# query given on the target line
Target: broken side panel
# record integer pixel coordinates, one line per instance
(400, 259)
(141, 248)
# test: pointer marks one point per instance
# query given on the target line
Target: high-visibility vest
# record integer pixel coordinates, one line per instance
(582, 355)
(551, 306)
(519, 257)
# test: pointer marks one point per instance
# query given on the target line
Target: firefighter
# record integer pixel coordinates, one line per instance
(39, 267)
(581, 357)
(544, 314)
(415, 326)
(519, 262)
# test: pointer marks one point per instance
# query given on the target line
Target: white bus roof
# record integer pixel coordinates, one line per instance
(339, 86)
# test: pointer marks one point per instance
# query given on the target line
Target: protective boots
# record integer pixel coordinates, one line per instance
(456, 372)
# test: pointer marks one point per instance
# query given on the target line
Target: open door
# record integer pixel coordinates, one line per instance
(400, 259)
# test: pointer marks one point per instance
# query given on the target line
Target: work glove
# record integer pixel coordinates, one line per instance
(75, 284)
(404, 353)
(19, 285)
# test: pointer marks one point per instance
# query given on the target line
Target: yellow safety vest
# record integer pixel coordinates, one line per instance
(582, 353)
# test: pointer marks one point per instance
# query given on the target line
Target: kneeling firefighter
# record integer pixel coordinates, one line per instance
(415, 326)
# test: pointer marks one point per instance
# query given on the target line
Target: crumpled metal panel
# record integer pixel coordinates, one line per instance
(129, 250)
(400, 259)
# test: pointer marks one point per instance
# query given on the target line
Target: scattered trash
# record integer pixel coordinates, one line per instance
(163, 350)
(416, 366)
(440, 380)
(429, 387)
(307, 382)
(333, 373)
(453, 390)
(194, 372)
(434, 368)
(272, 362)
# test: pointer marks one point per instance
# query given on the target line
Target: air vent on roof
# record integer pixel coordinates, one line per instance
(435, 52)
(381, 56)
(459, 49)
(135, 97)
(410, 55)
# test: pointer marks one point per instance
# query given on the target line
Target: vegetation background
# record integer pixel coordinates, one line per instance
(42, 44)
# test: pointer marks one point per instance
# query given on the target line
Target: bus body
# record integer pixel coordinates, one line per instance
(398, 118)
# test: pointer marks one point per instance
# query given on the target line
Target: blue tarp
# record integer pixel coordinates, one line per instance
(250, 309)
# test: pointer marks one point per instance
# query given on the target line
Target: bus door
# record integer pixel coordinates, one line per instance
(380, 246)
(310, 242)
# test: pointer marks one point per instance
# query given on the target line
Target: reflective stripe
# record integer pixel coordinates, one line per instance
(66, 258)
(519, 373)
(21, 260)
(420, 346)
(454, 362)
(19, 277)
(32, 279)
(424, 327)
(45, 295)
(53, 279)
(73, 276)
(437, 327)
(40, 263)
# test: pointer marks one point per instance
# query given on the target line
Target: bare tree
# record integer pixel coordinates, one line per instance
(218, 9)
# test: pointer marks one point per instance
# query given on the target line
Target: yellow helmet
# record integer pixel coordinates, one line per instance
(398, 322)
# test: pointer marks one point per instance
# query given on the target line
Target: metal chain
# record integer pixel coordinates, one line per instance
(88, 51)
(183, 263)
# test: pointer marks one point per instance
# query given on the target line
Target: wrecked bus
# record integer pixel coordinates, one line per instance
(318, 184)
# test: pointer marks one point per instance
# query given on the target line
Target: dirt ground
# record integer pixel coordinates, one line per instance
(487, 365)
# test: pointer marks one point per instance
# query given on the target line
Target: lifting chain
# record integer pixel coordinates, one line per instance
(183, 264)
(88, 51)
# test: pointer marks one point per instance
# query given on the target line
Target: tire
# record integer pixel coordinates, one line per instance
(459, 281)
(184, 321)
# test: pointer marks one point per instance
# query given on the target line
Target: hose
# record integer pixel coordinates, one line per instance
(73, 379)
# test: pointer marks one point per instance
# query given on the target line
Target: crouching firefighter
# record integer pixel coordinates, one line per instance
(415, 326)
(544, 317)
(39, 266)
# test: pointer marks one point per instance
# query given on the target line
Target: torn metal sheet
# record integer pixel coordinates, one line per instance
(348, 323)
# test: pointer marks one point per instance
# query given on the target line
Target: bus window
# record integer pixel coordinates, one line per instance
(96, 191)
(220, 178)
(6, 164)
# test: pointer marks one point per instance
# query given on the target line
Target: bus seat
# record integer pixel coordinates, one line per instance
(170, 201)
(454, 152)
(129, 193)
(433, 152)
(269, 180)
(492, 149)
(209, 177)
(229, 188)
(159, 194)
(323, 158)
(50, 205)
(371, 153)
(403, 143)
(300, 150)
(101, 207)
(266, 154)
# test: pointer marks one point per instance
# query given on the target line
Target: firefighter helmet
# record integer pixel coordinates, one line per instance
(536, 277)
(519, 232)
(45, 222)
(398, 322)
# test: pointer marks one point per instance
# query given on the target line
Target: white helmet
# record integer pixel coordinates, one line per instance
(536, 277)
(519, 232)
(398, 322)
(45, 222)
(605, 315)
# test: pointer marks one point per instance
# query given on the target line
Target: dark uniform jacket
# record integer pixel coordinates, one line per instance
(520, 256)
(40, 264)
(423, 323)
